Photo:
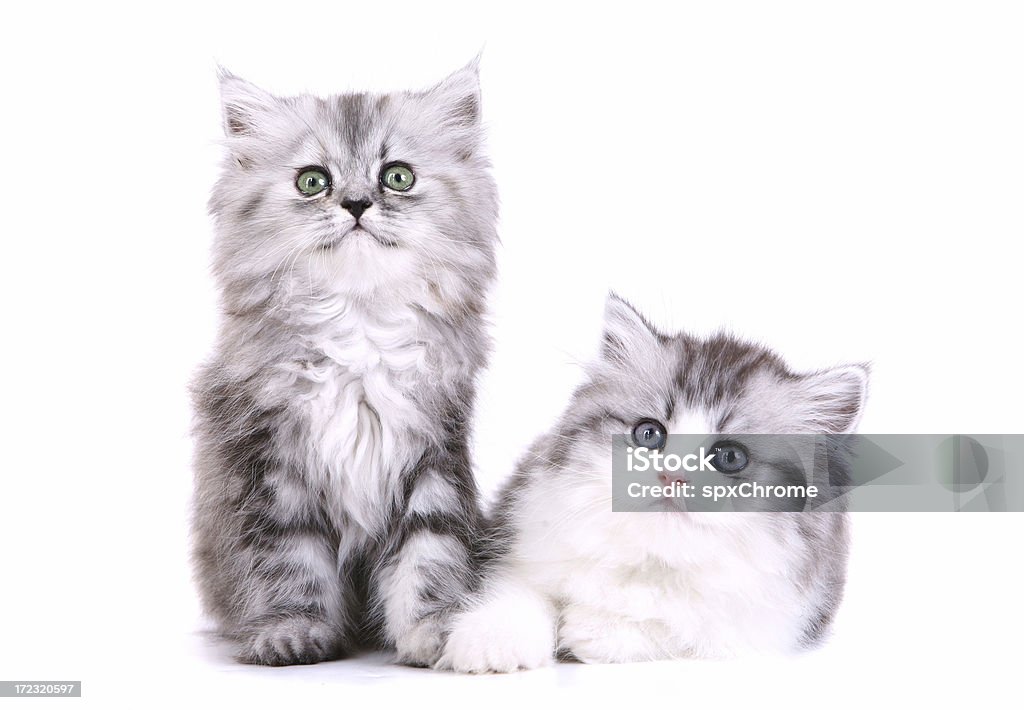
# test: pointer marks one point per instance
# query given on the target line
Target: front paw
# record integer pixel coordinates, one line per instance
(593, 636)
(497, 638)
(291, 641)
(420, 645)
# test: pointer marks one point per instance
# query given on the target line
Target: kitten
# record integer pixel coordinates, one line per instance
(572, 578)
(355, 237)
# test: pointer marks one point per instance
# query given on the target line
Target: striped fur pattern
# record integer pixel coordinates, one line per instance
(335, 505)
(568, 577)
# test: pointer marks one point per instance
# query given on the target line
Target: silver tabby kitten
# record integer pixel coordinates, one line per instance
(572, 577)
(335, 503)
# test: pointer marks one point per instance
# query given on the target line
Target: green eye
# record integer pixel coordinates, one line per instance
(397, 177)
(312, 181)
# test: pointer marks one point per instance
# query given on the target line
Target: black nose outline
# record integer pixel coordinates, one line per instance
(356, 207)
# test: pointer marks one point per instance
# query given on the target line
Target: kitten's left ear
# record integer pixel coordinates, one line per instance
(625, 330)
(832, 400)
(459, 95)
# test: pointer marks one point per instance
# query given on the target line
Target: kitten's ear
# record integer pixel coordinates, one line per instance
(831, 401)
(625, 330)
(245, 106)
(459, 94)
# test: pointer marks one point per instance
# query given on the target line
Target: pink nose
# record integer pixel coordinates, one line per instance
(668, 479)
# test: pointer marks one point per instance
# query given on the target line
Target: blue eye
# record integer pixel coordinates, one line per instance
(729, 457)
(649, 433)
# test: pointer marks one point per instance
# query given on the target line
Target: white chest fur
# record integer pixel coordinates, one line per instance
(355, 396)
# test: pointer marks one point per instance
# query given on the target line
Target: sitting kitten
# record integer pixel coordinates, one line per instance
(335, 502)
(570, 577)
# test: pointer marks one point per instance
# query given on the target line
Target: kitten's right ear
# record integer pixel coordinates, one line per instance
(831, 400)
(245, 106)
(625, 330)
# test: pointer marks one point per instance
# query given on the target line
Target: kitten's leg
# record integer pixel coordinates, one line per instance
(594, 635)
(266, 558)
(293, 600)
(511, 628)
(290, 593)
(427, 567)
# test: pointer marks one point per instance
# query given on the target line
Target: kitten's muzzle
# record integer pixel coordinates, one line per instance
(358, 228)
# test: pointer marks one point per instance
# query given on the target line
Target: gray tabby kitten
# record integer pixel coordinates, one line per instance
(573, 578)
(335, 503)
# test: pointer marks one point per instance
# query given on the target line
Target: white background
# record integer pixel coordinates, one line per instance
(840, 181)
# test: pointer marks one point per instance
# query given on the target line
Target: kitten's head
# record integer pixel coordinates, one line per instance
(367, 195)
(714, 385)
(649, 384)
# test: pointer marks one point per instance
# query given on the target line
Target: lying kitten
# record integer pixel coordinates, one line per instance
(334, 497)
(571, 577)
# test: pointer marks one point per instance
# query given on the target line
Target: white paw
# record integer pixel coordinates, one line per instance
(593, 637)
(505, 635)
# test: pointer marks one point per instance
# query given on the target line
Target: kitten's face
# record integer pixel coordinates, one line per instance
(683, 385)
(361, 194)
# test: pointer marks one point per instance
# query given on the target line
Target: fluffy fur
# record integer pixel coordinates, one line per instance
(572, 578)
(335, 504)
